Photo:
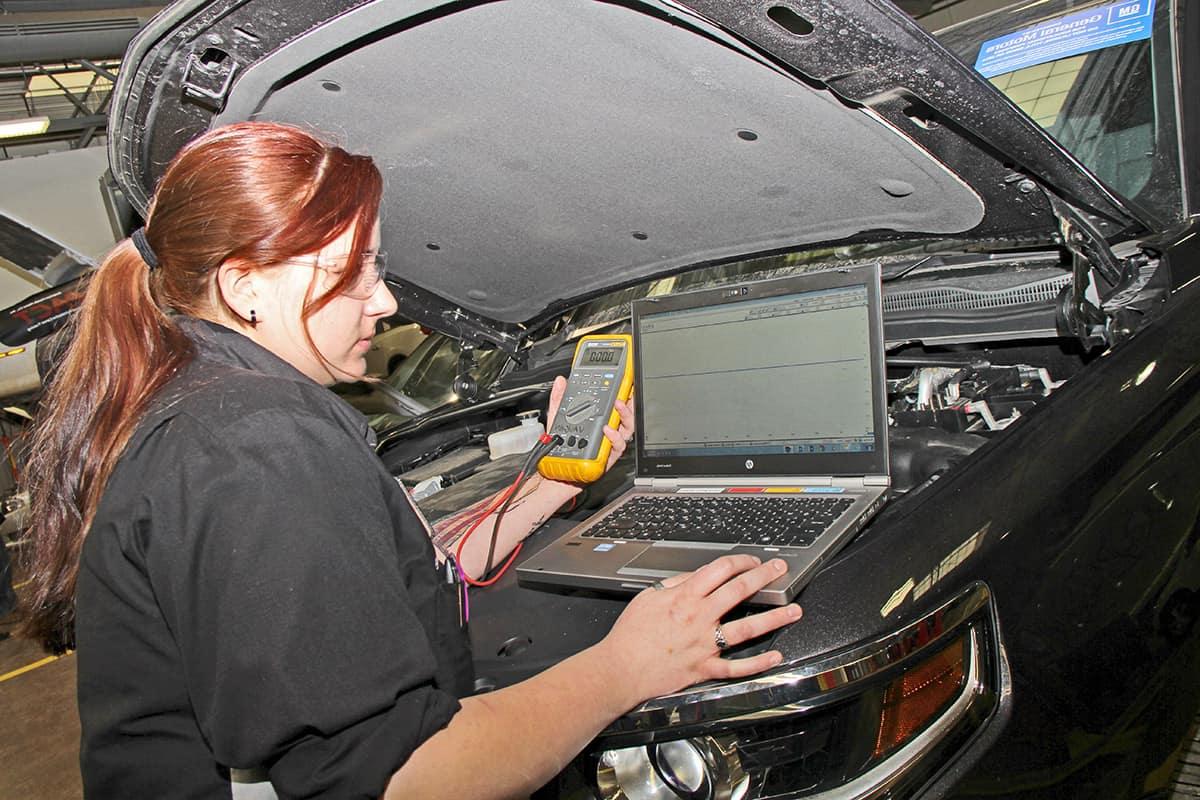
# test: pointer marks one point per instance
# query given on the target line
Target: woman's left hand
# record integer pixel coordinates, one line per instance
(619, 438)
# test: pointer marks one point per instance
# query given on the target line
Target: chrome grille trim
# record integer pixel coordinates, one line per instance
(800, 688)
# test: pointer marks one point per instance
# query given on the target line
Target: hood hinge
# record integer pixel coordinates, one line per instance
(1086, 308)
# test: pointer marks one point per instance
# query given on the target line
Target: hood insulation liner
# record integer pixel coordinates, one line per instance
(538, 150)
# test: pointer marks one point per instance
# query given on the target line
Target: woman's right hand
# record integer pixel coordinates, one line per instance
(666, 639)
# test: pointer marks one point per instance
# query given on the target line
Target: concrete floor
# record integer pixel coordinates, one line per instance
(39, 724)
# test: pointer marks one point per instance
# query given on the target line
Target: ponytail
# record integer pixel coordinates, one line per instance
(259, 192)
(123, 349)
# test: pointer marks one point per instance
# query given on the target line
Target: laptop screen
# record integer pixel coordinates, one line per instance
(782, 378)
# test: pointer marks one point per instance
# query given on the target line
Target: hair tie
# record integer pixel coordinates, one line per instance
(143, 247)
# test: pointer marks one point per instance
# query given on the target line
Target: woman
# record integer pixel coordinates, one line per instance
(246, 585)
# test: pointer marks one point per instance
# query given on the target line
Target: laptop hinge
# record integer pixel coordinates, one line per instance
(672, 484)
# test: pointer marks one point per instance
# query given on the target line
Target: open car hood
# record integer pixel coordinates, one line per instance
(540, 152)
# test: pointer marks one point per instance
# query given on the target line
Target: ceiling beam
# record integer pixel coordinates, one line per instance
(80, 108)
(68, 33)
(101, 71)
(23, 71)
(32, 6)
(69, 125)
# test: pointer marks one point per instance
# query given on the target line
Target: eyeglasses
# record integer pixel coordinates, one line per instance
(374, 269)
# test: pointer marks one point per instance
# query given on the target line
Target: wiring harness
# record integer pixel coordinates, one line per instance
(545, 444)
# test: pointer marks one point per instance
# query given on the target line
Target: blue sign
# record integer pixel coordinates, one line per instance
(1062, 37)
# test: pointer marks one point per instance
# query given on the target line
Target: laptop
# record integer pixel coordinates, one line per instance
(762, 429)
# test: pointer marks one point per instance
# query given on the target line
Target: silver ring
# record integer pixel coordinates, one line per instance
(657, 586)
(719, 638)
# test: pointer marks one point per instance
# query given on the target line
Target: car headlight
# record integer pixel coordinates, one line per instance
(875, 721)
(707, 768)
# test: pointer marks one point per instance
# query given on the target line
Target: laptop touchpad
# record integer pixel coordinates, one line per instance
(669, 560)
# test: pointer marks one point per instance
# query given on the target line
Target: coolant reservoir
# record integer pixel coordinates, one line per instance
(520, 439)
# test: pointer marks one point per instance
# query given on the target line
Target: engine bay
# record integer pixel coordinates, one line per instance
(973, 343)
(944, 406)
(944, 403)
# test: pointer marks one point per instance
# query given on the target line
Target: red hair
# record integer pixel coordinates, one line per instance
(260, 192)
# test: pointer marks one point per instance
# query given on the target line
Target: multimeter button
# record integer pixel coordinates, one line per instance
(582, 444)
(570, 441)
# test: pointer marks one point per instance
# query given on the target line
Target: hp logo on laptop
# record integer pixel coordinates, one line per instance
(749, 464)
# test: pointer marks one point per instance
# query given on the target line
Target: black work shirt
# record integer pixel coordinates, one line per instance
(257, 592)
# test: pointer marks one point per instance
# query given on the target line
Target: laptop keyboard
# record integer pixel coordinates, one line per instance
(726, 519)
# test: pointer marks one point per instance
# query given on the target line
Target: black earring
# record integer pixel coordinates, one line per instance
(253, 317)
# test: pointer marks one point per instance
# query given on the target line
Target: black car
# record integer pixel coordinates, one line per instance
(1020, 620)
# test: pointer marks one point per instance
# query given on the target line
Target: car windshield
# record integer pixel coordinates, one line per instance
(427, 376)
(1098, 77)
(615, 306)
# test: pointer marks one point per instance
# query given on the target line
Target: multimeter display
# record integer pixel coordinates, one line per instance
(602, 356)
(601, 374)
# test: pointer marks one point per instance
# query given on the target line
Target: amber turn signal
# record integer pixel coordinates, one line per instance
(918, 696)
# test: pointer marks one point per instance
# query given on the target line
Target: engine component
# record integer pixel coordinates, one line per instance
(977, 397)
(918, 455)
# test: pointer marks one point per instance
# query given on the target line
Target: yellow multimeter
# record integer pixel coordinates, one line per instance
(601, 374)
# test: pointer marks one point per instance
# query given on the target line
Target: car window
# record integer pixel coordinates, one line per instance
(1112, 107)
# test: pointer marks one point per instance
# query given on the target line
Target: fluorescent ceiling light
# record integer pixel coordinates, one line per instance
(29, 126)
